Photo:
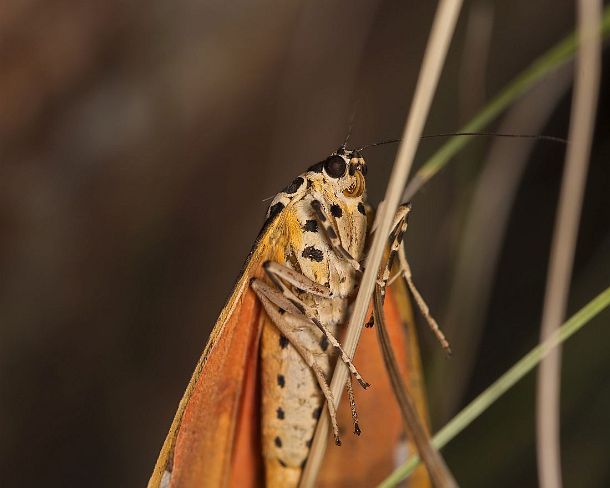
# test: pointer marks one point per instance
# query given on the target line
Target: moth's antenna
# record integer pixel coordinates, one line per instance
(351, 123)
(477, 134)
(389, 141)
(500, 134)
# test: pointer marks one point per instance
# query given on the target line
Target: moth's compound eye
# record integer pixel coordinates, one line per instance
(335, 166)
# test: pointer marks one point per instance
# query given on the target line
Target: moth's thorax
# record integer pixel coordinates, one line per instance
(312, 255)
(342, 200)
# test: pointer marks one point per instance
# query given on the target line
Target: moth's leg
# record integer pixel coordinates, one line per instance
(352, 404)
(421, 304)
(276, 273)
(332, 235)
(399, 227)
(398, 230)
(288, 323)
(278, 299)
(397, 275)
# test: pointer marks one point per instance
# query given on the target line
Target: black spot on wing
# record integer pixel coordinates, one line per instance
(311, 226)
(281, 380)
(324, 343)
(361, 208)
(313, 254)
(278, 442)
(282, 463)
(316, 168)
(294, 186)
(336, 210)
(316, 413)
(274, 210)
(280, 413)
(283, 342)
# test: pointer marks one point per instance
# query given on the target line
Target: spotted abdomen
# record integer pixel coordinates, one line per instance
(291, 404)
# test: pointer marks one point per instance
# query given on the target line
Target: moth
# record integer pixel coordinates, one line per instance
(249, 413)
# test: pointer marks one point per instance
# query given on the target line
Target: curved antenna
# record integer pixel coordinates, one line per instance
(351, 123)
(500, 134)
(389, 141)
(476, 134)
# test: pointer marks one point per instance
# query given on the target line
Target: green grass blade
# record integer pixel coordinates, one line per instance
(504, 383)
(542, 66)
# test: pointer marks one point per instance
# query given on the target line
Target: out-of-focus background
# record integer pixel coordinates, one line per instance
(138, 141)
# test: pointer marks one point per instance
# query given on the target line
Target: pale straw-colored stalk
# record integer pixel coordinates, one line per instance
(582, 121)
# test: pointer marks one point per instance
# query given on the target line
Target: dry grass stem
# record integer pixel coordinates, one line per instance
(582, 120)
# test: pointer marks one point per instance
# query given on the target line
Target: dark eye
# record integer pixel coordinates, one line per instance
(335, 166)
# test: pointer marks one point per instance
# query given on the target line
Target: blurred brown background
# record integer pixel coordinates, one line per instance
(138, 141)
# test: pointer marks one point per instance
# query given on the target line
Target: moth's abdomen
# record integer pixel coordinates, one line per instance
(292, 404)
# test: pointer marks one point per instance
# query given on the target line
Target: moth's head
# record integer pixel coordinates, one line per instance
(344, 171)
